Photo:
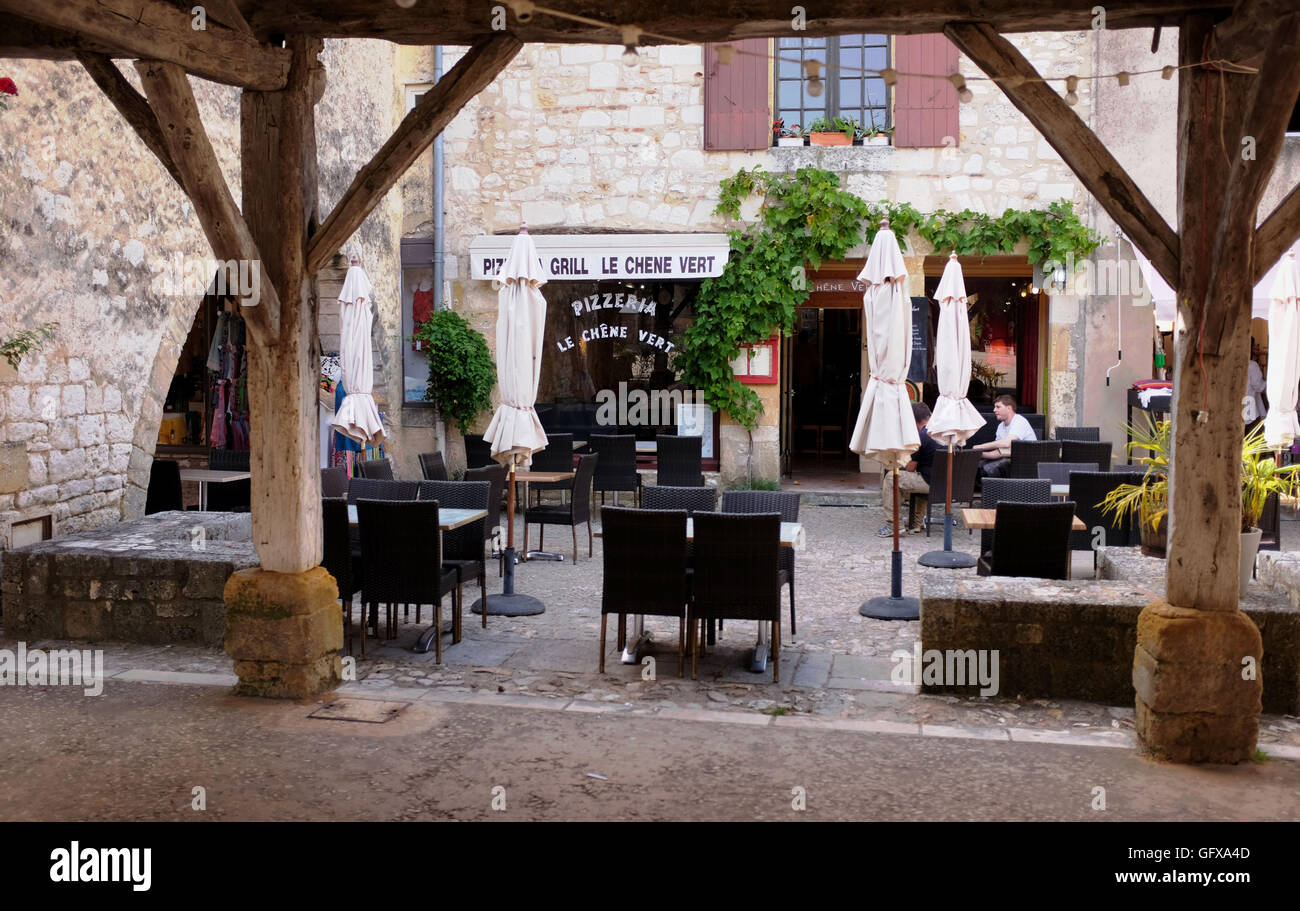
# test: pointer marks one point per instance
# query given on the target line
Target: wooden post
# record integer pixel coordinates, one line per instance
(283, 622)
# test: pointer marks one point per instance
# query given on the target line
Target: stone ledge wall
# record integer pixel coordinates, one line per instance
(154, 580)
(1076, 639)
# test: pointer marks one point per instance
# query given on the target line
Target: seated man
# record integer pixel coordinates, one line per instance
(997, 454)
(915, 477)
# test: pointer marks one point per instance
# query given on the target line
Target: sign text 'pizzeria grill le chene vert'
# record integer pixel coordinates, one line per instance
(610, 257)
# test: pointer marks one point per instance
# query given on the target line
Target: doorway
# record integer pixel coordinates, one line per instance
(824, 391)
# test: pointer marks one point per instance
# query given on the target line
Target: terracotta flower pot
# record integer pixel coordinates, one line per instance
(829, 139)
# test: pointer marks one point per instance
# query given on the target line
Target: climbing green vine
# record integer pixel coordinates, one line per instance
(26, 342)
(805, 218)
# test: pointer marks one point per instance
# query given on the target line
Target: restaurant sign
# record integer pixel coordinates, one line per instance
(610, 257)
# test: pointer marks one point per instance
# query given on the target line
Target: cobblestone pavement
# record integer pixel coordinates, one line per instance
(836, 669)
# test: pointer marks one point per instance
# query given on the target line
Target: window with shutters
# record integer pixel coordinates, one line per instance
(850, 84)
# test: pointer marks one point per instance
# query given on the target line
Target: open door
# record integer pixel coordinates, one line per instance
(785, 419)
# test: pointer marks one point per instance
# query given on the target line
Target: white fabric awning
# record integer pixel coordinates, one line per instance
(1162, 296)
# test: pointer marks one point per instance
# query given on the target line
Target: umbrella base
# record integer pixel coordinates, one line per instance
(947, 559)
(886, 608)
(510, 606)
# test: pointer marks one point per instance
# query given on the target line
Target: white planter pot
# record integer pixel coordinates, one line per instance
(785, 141)
(875, 141)
(1249, 548)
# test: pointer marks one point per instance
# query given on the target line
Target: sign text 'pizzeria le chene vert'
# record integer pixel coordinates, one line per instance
(610, 257)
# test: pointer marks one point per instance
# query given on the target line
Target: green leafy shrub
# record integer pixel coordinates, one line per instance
(25, 342)
(461, 370)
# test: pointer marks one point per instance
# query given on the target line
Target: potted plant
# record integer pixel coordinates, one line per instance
(838, 131)
(787, 136)
(1147, 500)
(1261, 478)
(873, 135)
(461, 372)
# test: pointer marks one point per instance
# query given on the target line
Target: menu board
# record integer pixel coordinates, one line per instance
(920, 367)
(696, 420)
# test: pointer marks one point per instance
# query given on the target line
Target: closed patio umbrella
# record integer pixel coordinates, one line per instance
(1281, 427)
(357, 418)
(515, 432)
(885, 429)
(955, 418)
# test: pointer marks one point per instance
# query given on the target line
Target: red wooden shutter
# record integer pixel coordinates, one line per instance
(925, 110)
(737, 114)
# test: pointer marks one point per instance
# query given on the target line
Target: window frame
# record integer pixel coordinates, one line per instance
(831, 77)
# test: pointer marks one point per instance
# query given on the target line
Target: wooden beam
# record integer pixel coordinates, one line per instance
(416, 132)
(465, 22)
(29, 41)
(1244, 35)
(228, 14)
(132, 106)
(1277, 233)
(1077, 145)
(173, 104)
(156, 30)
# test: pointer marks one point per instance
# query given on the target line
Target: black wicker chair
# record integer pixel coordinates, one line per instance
(401, 550)
(371, 489)
(376, 470)
(557, 456)
(965, 470)
(341, 560)
(1082, 451)
(232, 496)
(1027, 454)
(334, 482)
(462, 548)
(1012, 490)
(576, 511)
(1059, 472)
(1086, 434)
(1270, 522)
(766, 501)
(432, 466)
(737, 575)
(1087, 490)
(496, 476)
(616, 471)
(679, 460)
(478, 451)
(164, 492)
(1033, 539)
(644, 570)
(690, 499)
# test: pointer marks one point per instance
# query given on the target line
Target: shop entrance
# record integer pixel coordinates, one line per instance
(825, 357)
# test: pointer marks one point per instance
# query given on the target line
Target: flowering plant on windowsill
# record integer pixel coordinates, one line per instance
(7, 87)
(787, 136)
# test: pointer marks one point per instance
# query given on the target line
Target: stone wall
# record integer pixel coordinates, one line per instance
(1076, 639)
(99, 239)
(159, 579)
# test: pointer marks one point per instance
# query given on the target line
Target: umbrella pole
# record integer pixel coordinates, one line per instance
(894, 607)
(508, 588)
(947, 558)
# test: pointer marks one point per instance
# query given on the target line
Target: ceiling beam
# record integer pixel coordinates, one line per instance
(1077, 145)
(466, 21)
(413, 135)
(132, 106)
(1277, 233)
(156, 30)
(173, 103)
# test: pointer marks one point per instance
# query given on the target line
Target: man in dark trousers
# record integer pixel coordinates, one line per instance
(915, 477)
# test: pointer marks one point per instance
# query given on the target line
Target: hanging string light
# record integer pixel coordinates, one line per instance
(631, 38)
(725, 53)
(1071, 90)
(959, 83)
(813, 68)
(523, 9)
(1122, 77)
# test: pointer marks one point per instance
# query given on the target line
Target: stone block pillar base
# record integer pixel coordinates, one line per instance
(1197, 699)
(284, 631)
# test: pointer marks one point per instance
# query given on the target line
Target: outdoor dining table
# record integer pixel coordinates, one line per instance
(206, 476)
(447, 520)
(792, 535)
(1061, 491)
(541, 477)
(986, 519)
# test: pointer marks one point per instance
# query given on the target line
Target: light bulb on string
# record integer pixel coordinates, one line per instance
(631, 38)
(813, 69)
(725, 53)
(1071, 85)
(405, 4)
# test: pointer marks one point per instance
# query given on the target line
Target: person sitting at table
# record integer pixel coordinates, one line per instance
(1011, 426)
(915, 477)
